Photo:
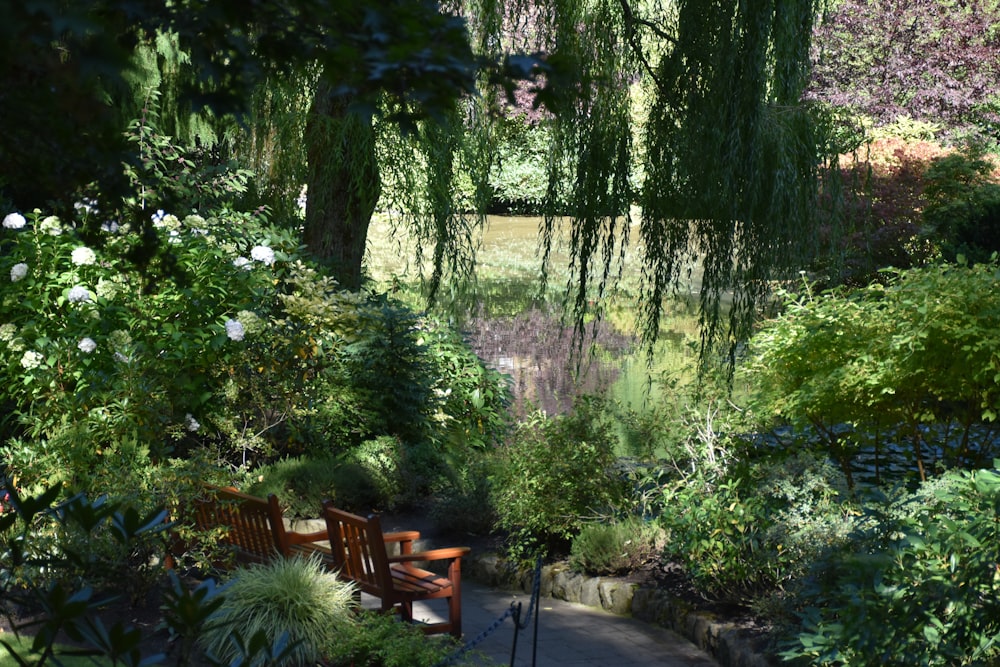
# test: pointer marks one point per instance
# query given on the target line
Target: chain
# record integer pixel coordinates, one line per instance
(514, 610)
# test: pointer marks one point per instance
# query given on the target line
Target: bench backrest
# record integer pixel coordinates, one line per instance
(252, 526)
(358, 550)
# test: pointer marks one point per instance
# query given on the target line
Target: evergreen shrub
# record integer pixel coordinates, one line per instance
(553, 475)
(917, 584)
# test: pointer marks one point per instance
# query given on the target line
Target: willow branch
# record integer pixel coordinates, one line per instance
(631, 21)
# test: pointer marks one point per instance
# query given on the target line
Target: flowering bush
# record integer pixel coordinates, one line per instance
(98, 362)
(226, 342)
(107, 373)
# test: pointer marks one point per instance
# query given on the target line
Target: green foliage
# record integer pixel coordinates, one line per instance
(361, 479)
(918, 351)
(43, 585)
(292, 597)
(243, 349)
(743, 524)
(388, 371)
(301, 483)
(716, 528)
(708, 165)
(554, 474)
(616, 548)
(918, 587)
(381, 640)
(519, 182)
(963, 206)
(473, 398)
(810, 512)
(463, 501)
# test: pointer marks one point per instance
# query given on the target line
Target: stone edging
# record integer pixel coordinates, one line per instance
(720, 640)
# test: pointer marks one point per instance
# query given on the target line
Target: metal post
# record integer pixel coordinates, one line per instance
(517, 628)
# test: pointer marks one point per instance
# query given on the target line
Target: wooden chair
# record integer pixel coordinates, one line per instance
(252, 527)
(358, 550)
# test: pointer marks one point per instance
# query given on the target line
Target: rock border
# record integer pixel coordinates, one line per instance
(719, 639)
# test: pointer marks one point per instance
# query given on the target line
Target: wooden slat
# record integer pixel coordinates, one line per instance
(358, 552)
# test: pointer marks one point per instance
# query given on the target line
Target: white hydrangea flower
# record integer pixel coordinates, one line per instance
(120, 339)
(107, 289)
(7, 332)
(14, 221)
(83, 255)
(262, 254)
(86, 207)
(32, 359)
(157, 217)
(243, 263)
(87, 345)
(191, 423)
(18, 271)
(78, 294)
(51, 226)
(194, 220)
(252, 324)
(234, 329)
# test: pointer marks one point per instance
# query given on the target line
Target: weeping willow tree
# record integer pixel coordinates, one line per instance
(728, 151)
(690, 108)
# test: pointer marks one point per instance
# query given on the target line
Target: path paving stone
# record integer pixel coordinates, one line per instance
(569, 635)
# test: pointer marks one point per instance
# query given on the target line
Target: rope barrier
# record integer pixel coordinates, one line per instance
(513, 611)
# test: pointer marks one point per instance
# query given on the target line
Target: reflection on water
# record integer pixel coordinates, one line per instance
(519, 331)
(537, 351)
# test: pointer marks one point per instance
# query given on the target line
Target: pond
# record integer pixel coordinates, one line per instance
(520, 331)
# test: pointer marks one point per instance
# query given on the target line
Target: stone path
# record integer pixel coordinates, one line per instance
(569, 635)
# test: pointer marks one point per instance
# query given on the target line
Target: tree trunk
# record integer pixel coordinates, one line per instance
(343, 184)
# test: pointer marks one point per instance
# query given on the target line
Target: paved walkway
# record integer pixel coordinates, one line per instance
(569, 635)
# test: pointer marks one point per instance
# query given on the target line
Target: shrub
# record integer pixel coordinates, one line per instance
(296, 597)
(553, 475)
(918, 586)
(520, 180)
(463, 504)
(963, 207)
(881, 194)
(616, 548)
(913, 354)
(362, 479)
(301, 483)
(715, 527)
(381, 640)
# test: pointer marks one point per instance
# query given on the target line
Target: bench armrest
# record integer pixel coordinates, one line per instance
(302, 538)
(450, 553)
(403, 536)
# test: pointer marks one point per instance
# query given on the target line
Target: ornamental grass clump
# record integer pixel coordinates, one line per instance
(294, 597)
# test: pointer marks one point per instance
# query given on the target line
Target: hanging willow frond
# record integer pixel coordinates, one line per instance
(729, 152)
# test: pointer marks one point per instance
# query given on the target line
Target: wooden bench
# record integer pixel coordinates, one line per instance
(252, 528)
(358, 550)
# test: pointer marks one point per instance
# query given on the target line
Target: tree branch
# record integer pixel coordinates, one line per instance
(632, 34)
